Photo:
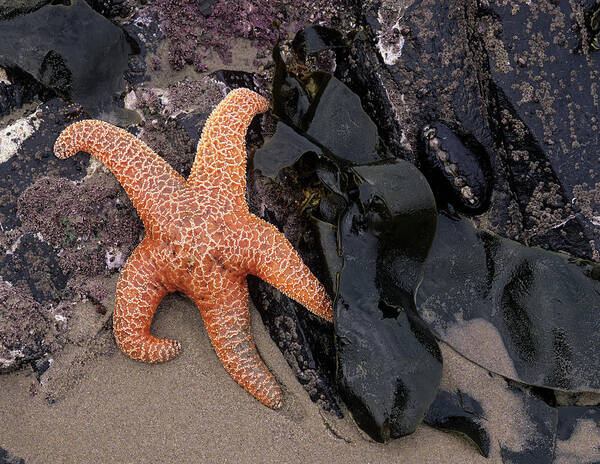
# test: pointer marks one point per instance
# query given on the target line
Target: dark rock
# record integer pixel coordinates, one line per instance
(518, 80)
(34, 158)
(24, 326)
(459, 174)
(525, 313)
(236, 79)
(65, 49)
(290, 332)
(21, 90)
(305, 339)
(10, 8)
(429, 69)
(565, 237)
(548, 110)
(33, 265)
(111, 8)
(8, 458)
(205, 7)
(458, 412)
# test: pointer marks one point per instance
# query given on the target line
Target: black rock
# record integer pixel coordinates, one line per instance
(525, 313)
(10, 9)
(34, 158)
(74, 51)
(473, 65)
(33, 264)
(305, 340)
(565, 237)
(291, 327)
(21, 90)
(549, 109)
(8, 458)
(236, 79)
(24, 325)
(110, 8)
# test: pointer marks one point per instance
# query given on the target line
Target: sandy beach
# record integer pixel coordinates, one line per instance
(189, 410)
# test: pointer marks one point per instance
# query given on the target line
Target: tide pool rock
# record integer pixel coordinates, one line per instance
(72, 50)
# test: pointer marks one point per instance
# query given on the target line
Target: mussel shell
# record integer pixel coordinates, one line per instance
(458, 174)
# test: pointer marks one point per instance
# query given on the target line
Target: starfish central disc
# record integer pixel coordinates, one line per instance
(200, 239)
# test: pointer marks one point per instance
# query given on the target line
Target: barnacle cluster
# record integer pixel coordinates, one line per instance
(595, 26)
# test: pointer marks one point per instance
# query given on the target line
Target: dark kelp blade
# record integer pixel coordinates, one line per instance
(340, 125)
(375, 223)
(290, 98)
(327, 113)
(389, 365)
(460, 413)
(528, 314)
(282, 150)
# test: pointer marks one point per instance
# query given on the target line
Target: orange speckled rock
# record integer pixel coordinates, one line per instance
(200, 239)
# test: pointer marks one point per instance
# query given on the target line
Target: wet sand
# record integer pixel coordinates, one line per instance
(189, 410)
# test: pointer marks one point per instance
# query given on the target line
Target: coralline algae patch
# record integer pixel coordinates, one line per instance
(23, 327)
(193, 28)
(82, 222)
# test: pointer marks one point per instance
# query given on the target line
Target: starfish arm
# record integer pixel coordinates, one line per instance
(273, 259)
(145, 176)
(139, 292)
(221, 154)
(227, 320)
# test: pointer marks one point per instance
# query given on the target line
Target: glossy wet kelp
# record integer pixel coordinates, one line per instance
(375, 219)
(389, 364)
(523, 312)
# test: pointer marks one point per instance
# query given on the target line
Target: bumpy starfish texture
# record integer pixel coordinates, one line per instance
(200, 239)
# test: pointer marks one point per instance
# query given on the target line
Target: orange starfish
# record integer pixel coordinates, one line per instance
(200, 239)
